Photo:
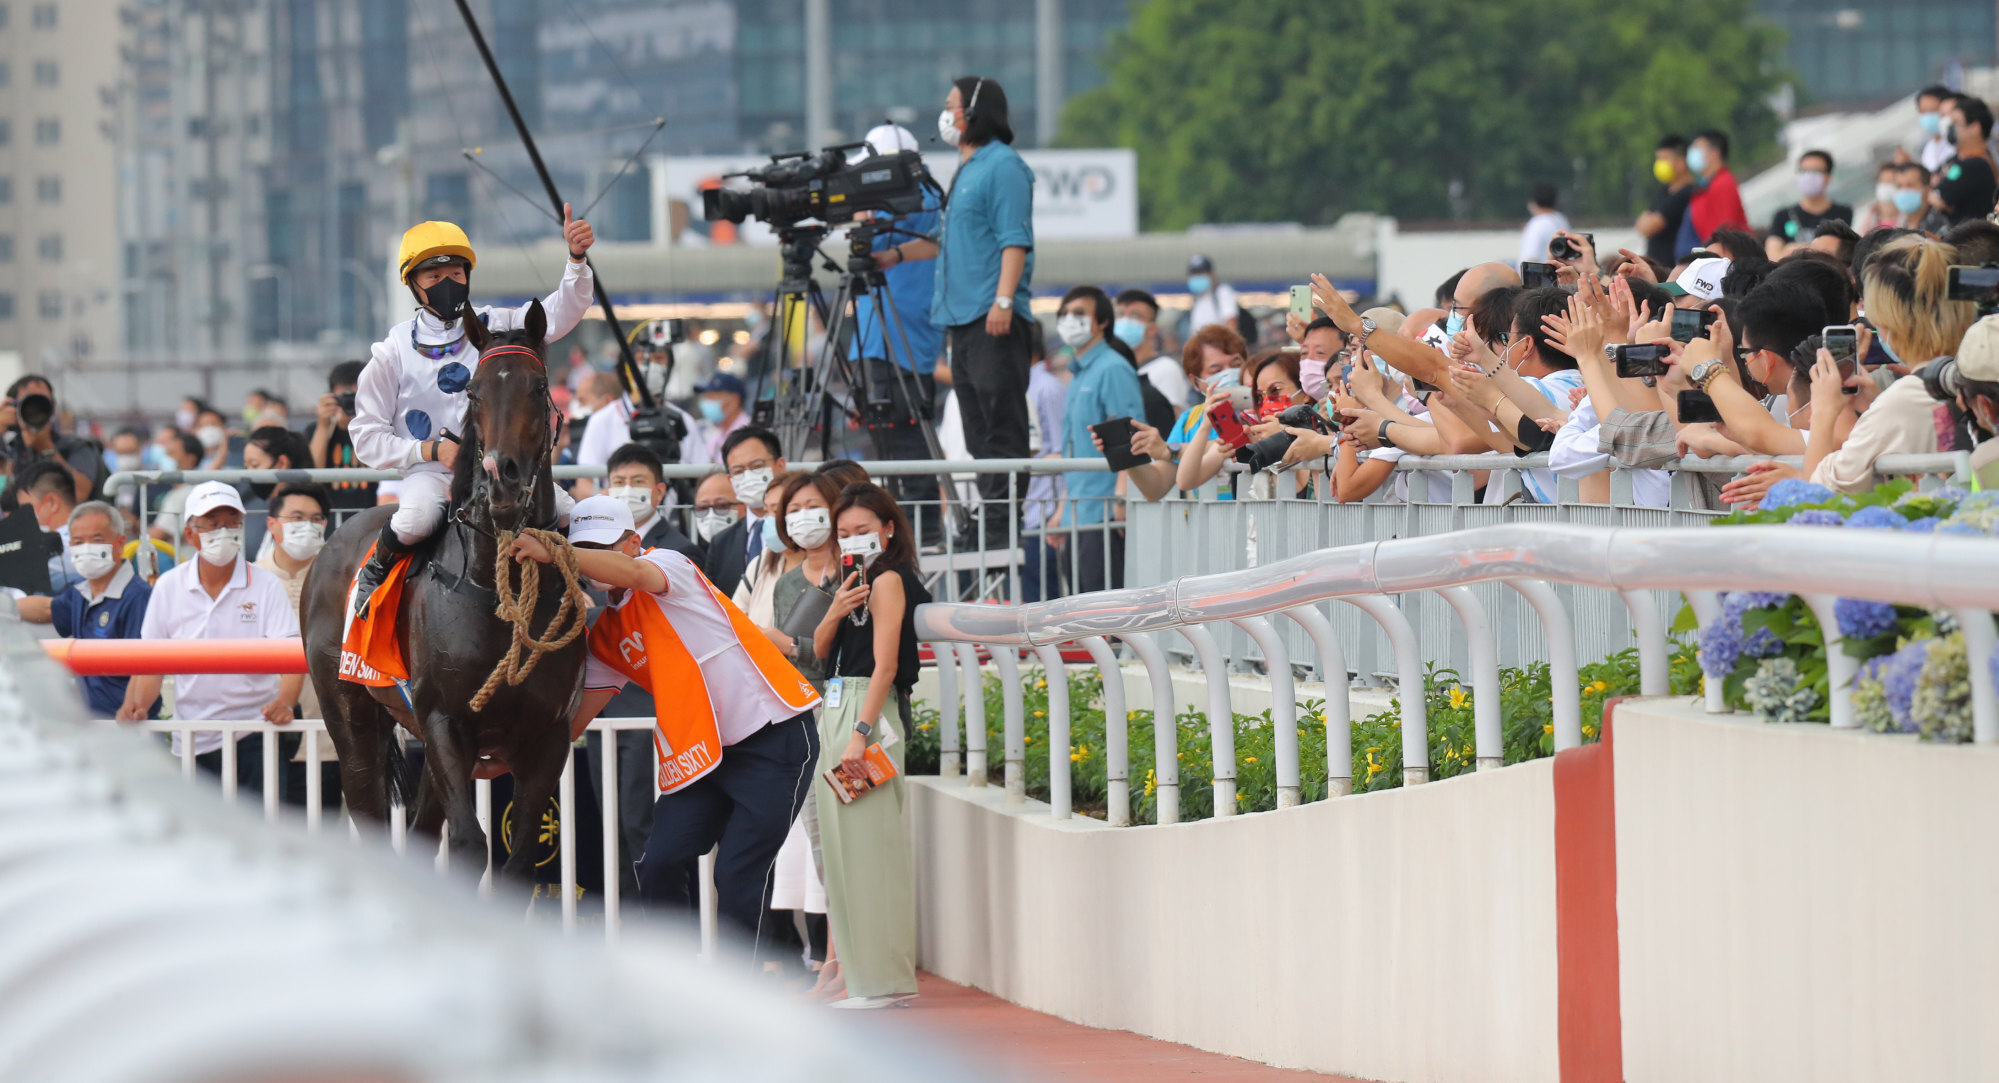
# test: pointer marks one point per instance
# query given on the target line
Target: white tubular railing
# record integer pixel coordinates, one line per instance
(607, 798)
(1934, 571)
(140, 919)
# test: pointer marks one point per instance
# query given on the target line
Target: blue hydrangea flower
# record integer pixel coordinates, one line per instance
(1898, 681)
(1861, 618)
(1721, 646)
(1817, 517)
(1795, 491)
(1762, 643)
(1741, 601)
(1876, 517)
(1925, 525)
(1949, 494)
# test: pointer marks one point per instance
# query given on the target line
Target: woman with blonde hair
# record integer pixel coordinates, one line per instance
(1906, 288)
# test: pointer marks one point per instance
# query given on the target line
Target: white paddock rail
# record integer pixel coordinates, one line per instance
(607, 789)
(1937, 571)
(149, 934)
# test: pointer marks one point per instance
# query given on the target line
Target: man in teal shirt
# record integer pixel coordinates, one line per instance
(1105, 386)
(985, 266)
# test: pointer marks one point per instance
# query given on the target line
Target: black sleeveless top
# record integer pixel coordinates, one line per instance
(854, 644)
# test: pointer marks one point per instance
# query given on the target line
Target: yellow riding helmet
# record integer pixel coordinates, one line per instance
(426, 242)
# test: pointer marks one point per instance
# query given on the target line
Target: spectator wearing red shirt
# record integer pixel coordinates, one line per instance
(1717, 203)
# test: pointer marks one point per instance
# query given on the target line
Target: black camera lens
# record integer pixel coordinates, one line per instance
(1265, 453)
(1939, 377)
(345, 400)
(36, 411)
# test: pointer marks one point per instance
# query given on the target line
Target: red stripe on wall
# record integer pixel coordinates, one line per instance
(1591, 1028)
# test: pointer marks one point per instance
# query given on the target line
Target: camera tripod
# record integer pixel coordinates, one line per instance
(809, 396)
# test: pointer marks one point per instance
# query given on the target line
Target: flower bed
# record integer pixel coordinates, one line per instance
(1914, 677)
(1526, 710)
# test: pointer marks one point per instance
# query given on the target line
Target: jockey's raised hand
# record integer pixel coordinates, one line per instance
(577, 233)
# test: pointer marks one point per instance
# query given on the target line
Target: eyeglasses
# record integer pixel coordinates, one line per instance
(298, 517)
(753, 464)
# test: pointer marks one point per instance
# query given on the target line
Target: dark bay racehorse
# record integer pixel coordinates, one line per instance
(451, 639)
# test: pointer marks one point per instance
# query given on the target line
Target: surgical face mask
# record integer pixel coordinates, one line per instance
(1908, 200)
(1811, 183)
(303, 541)
(155, 458)
(750, 485)
(636, 497)
(1931, 123)
(93, 560)
(130, 460)
(861, 549)
(211, 436)
(579, 411)
(222, 545)
(1312, 377)
(445, 297)
(1662, 171)
(712, 521)
(1074, 330)
(1885, 192)
(184, 419)
(1228, 377)
(1454, 322)
(947, 128)
(711, 411)
(809, 528)
(1697, 159)
(1200, 283)
(1129, 330)
(772, 542)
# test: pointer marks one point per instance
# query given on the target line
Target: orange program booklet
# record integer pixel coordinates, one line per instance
(847, 788)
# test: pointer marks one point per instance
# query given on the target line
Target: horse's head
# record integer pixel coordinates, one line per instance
(509, 438)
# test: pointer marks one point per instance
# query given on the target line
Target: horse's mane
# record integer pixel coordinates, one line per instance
(473, 449)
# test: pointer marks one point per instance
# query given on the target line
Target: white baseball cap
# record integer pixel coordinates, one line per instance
(1701, 279)
(600, 520)
(1978, 353)
(210, 495)
(885, 139)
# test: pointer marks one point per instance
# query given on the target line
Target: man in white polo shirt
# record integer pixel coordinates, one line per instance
(219, 596)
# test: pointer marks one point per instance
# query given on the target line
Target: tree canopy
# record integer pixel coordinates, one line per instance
(1302, 110)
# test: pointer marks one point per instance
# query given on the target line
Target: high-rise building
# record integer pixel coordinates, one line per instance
(58, 241)
(1861, 51)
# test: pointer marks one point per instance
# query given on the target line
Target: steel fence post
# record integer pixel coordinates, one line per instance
(1059, 748)
(1654, 677)
(949, 759)
(1412, 693)
(565, 827)
(1221, 716)
(1490, 740)
(975, 715)
(1283, 706)
(1706, 605)
(1978, 648)
(607, 804)
(1165, 727)
(1840, 667)
(1564, 686)
(1008, 661)
(1339, 704)
(1117, 735)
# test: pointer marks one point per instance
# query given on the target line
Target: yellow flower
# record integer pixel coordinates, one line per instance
(1075, 757)
(1599, 686)
(1179, 755)
(1041, 714)
(1372, 751)
(1589, 731)
(1030, 739)
(1241, 797)
(1547, 727)
(924, 726)
(1458, 698)
(1040, 684)
(1249, 759)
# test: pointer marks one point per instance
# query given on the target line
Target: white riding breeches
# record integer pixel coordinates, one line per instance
(424, 496)
(420, 504)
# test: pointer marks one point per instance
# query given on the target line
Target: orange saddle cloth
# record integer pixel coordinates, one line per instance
(369, 653)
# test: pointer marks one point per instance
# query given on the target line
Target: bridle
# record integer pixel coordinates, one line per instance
(549, 433)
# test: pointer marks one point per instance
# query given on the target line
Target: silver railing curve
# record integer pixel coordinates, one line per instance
(139, 910)
(1933, 571)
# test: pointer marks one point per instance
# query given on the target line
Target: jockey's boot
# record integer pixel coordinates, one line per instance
(388, 549)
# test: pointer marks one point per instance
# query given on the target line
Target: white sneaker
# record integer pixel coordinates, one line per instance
(862, 1004)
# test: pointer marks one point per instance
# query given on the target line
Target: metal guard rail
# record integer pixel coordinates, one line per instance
(1935, 571)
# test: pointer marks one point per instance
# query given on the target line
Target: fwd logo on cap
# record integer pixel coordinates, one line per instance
(1705, 285)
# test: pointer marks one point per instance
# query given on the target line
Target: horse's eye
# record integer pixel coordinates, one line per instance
(541, 385)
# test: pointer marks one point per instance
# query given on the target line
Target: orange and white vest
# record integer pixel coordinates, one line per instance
(638, 639)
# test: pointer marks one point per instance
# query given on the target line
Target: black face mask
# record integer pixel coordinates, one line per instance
(447, 297)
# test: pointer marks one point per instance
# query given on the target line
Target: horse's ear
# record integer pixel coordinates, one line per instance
(537, 324)
(475, 329)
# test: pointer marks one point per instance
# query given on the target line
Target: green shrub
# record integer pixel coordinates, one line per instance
(1527, 723)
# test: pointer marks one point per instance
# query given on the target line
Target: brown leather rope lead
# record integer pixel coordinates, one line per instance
(516, 607)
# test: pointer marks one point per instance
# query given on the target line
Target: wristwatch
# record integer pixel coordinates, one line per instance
(864, 729)
(1381, 434)
(1367, 326)
(1704, 373)
(1004, 304)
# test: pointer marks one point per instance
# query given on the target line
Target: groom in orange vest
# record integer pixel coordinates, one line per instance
(736, 738)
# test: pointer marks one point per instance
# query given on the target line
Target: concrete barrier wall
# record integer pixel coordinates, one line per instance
(1796, 903)
(1406, 935)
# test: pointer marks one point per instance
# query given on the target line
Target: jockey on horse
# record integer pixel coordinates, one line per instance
(411, 401)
